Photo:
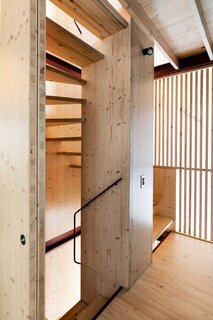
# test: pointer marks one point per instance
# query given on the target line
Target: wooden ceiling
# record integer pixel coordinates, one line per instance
(174, 19)
(180, 28)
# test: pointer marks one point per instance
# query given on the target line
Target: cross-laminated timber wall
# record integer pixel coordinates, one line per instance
(22, 54)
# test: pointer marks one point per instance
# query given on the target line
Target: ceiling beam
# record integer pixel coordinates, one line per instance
(191, 63)
(202, 26)
(140, 17)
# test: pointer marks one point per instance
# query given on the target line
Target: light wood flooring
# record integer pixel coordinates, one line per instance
(177, 285)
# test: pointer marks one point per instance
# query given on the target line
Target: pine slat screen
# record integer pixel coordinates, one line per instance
(183, 121)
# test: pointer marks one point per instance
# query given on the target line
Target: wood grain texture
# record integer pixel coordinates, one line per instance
(63, 121)
(175, 21)
(140, 17)
(69, 154)
(62, 281)
(177, 285)
(22, 160)
(114, 112)
(141, 154)
(72, 314)
(41, 178)
(202, 26)
(107, 112)
(69, 47)
(211, 164)
(91, 309)
(97, 16)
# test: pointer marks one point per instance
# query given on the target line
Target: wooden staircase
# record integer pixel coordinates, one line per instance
(97, 16)
(69, 47)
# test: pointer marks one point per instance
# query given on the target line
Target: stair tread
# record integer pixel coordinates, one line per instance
(91, 309)
(98, 16)
(63, 121)
(71, 314)
(69, 154)
(160, 225)
(64, 139)
(69, 47)
(56, 75)
(75, 166)
(53, 100)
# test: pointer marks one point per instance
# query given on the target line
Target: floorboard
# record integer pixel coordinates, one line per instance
(177, 285)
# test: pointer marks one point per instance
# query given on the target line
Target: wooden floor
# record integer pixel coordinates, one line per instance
(177, 285)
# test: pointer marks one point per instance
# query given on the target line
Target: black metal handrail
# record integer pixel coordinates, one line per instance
(83, 207)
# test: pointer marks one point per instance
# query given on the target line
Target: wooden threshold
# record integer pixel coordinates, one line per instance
(64, 44)
(98, 16)
(160, 225)
(57, 75)
(62, 122)
(64, 139)
(53, 100)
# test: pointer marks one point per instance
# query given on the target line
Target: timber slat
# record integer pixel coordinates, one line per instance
(57, 75)
(53, 100)
(64, 139)
(62, 122)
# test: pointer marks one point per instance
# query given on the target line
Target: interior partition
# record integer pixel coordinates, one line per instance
(117, 228)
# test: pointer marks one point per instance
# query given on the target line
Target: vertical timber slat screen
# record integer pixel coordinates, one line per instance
(183, 121)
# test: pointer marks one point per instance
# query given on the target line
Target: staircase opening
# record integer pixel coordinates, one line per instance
(70, 39)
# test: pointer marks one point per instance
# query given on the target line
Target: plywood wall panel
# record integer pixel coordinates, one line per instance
(117, 141)
(105, 224)
(22, 159)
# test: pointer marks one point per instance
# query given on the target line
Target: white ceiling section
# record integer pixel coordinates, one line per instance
(159, 58)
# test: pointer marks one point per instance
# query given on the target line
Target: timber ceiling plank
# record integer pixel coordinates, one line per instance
(140, 17)
(202, 26)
